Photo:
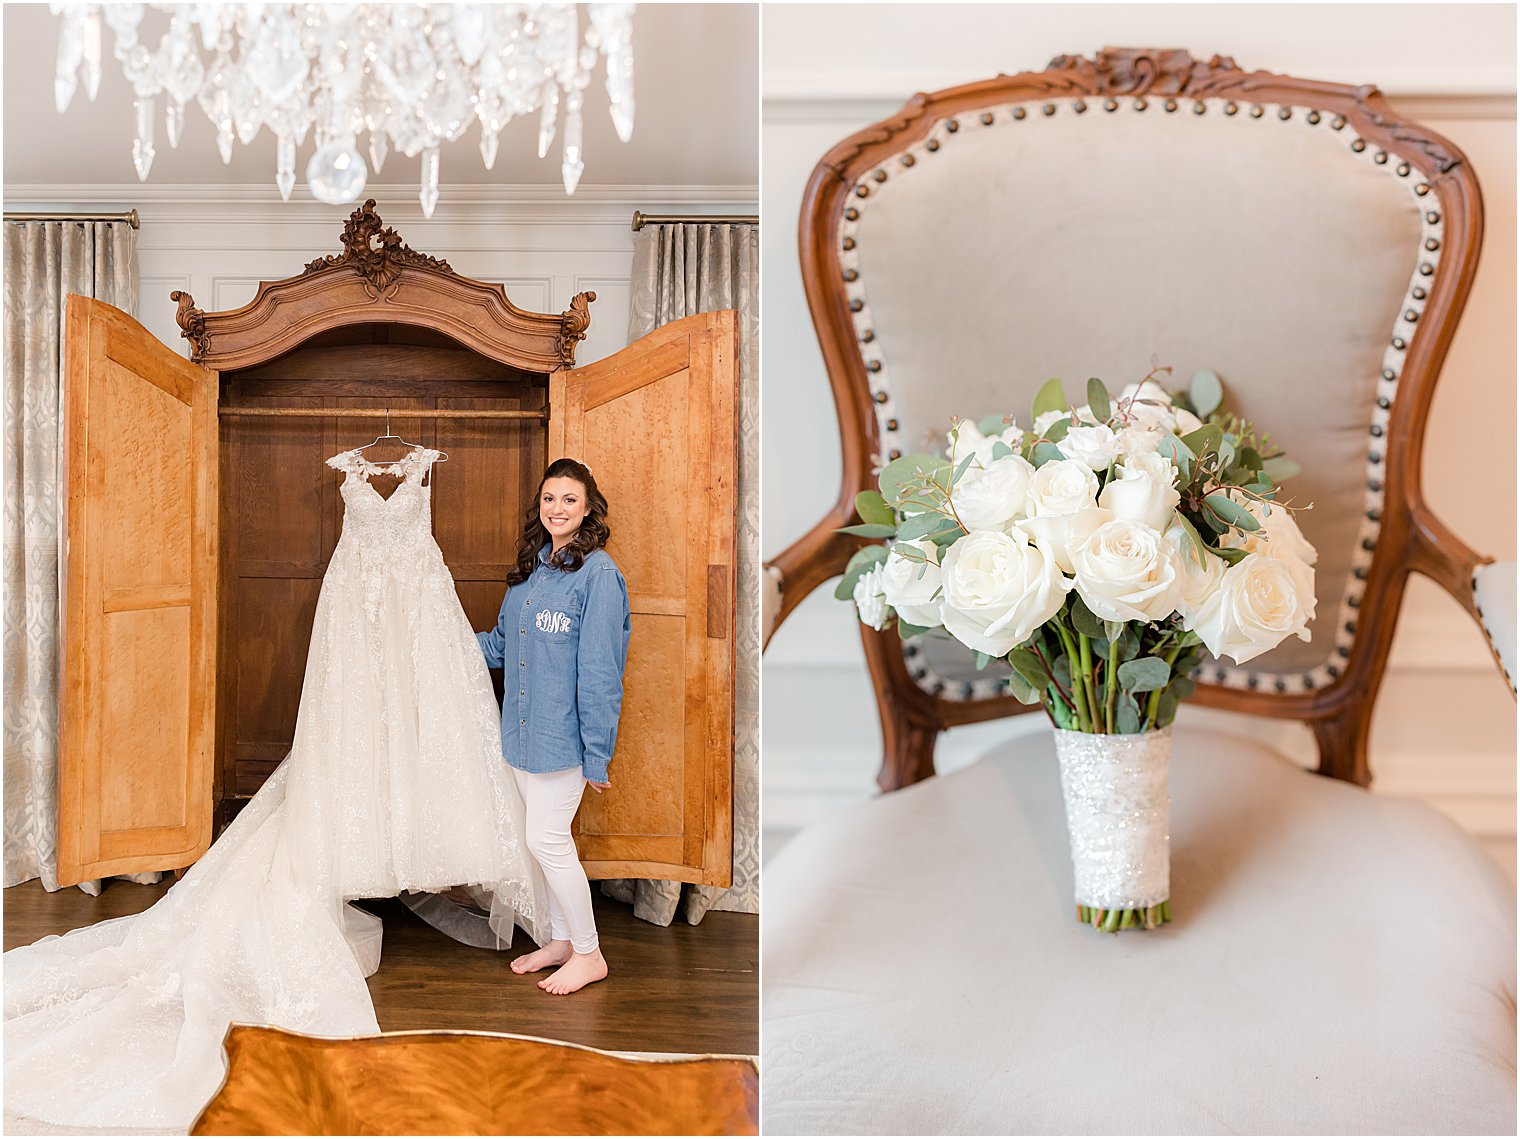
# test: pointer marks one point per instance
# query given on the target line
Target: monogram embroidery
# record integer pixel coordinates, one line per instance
(552, 622)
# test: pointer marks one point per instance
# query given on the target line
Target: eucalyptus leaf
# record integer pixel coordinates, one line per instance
(905, 630)
(961, 467)
(1181, 456)
(1061, 670)
(1182, 687)
(922, 525)
(1200, 551)
(1050, 397)
(871, 507)
(858, 565)
(1166, 710)
(869, 530)
(1027, 665)
(1207, 437)
(1083, 620)
(1144, 674)
(1232, 512)
(1206, 393)
(991, 425)
(1129, 644)
(1022, 692)
(1128, 719)
(898, 476)
(1057, 430)
(1280, 468)
(1045, 453)
(1226, 454)
(1248, 458)
(1231, 555)
(1097, 399)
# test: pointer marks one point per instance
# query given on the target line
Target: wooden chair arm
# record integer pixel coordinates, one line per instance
(1484, 589)
(807, 563)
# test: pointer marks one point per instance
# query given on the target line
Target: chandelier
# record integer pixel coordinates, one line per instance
(406, 76)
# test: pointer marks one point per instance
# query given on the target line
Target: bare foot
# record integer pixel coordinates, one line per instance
(555, 953)
(581, 970)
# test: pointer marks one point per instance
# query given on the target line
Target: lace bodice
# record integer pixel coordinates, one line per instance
(382, 536)
(371, 518)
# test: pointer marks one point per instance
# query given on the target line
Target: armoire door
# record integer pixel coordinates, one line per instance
(138, 600)
(657, 425)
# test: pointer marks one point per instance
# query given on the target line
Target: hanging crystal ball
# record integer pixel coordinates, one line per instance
(336, 173)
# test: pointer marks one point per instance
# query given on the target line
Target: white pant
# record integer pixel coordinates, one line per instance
(551, 799)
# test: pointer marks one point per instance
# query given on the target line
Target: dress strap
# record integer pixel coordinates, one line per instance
(348, 462)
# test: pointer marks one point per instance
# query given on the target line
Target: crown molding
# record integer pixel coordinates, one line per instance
(261, 203)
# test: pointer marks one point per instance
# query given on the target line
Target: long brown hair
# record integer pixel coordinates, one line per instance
(592, 536)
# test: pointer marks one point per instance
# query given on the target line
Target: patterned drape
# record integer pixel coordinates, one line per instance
(45, 261)
(678, 271)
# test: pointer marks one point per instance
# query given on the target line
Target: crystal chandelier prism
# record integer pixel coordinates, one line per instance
(407, 77)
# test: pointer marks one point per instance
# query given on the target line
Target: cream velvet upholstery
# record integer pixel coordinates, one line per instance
(1338, 964)
(1082, 244)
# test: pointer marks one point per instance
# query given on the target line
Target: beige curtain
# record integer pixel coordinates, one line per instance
(44, 263)
(681, 270)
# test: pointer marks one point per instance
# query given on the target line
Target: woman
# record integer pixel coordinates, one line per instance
(562, 642)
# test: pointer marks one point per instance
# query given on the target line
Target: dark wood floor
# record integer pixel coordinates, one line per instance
(681, 989)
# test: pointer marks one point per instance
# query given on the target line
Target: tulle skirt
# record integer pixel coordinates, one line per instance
(395, 782)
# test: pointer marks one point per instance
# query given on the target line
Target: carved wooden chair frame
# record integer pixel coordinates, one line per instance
(1401, 535)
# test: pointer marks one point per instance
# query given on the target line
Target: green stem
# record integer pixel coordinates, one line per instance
(1154, 702)
(1087, 682)
(1084, 712)
(1113, 681)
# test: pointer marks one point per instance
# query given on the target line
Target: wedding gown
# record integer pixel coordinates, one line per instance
(394, 782)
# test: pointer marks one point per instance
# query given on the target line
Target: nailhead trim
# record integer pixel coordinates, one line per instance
(1365, 545)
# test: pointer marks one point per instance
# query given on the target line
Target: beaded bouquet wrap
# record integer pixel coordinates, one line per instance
(1099, 553)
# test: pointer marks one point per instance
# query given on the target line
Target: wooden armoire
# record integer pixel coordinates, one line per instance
(200, 516)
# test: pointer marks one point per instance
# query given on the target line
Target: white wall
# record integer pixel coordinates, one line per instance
(1445, 728)
(219, 242)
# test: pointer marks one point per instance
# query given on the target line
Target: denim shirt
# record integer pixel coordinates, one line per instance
(562, 642)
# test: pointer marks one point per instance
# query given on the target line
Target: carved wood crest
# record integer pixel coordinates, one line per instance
(375, 251)
(573, 323)
(1145, 71)
(192, 324)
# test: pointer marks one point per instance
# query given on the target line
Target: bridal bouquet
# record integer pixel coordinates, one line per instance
(1099, 553)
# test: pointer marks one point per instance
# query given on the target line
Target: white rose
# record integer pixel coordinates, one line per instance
(1280, 539)
(1148, 403)
(1185, 421)
(1257, 606)
(1279, 535)
(1199, 582)
(1062, 486)
(869, 600)
(999, 588)
(1126, 571)
(911, 585)
(1048, 419)
(1140, 439)
(965, 438)
(1057, 534)
(990, 499)
(1096, 447)
(1142, 494)
(1152, 464)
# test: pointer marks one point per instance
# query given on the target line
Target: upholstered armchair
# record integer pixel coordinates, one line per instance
(1339, 962)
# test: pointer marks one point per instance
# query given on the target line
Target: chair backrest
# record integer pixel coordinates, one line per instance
(469, 1083)
(1298, 238)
